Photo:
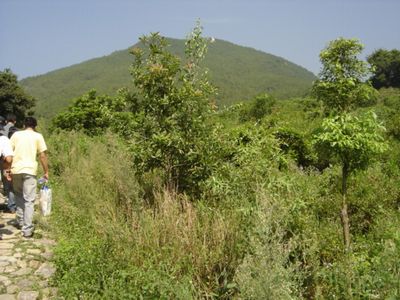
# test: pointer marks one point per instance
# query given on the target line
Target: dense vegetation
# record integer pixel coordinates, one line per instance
(238, 73)
(13, 98)
(160, 196)
(386, 68)
(264, 228)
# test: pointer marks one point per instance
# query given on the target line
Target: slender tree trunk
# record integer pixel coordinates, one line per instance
(344, 213)
(170, 172)
(346, 230)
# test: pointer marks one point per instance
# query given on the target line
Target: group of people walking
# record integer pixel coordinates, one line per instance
(19, 150)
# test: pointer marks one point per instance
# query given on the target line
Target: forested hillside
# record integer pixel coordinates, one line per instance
(238, 72)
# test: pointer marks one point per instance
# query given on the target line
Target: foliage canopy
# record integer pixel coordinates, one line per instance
(258, 108)
(386, 64)
(341, 85)
(13, 98)
(355, 140)
(93, 113)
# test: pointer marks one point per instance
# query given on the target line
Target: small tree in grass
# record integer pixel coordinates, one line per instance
(355, 141)
(172, 129)
(342, 88)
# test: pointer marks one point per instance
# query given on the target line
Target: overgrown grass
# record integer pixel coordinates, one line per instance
(264, 228)
(114, 244)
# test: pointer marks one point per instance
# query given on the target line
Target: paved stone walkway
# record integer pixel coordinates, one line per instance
(25, 264)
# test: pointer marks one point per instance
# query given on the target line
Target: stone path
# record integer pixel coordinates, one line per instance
(25, 264)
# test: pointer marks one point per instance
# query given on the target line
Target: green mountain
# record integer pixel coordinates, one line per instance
(239, 73)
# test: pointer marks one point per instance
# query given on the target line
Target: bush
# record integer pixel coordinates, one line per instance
(294, 144)
(259, 107)
(94, 114)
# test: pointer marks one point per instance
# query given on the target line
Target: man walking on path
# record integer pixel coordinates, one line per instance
(6, 155)
(8, 128)
(27, 144)
(11, 119)
(2, 124)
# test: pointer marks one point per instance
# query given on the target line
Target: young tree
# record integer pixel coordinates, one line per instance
(386, 65)
(13, 98)
(355, 141)
(174, 103)
(341, 87)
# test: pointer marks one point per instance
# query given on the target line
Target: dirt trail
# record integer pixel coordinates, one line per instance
(25, 264)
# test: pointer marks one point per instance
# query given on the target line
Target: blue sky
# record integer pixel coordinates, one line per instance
(38, 36)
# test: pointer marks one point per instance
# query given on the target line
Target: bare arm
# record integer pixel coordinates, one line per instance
(7, 166)
(43, 161)
(7, 162)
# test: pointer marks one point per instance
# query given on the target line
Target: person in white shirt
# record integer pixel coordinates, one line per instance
(6, 156)
(7, 185)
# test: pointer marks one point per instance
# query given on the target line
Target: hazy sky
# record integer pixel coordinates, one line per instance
(37, 36)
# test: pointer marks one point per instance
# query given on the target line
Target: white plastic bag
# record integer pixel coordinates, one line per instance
(45, 200)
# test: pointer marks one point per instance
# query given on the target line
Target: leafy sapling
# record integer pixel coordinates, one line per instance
(355, 141)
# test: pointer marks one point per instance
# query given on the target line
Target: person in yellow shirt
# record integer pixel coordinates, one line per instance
(27, 144)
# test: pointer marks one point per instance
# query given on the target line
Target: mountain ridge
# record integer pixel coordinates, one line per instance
(239, 72)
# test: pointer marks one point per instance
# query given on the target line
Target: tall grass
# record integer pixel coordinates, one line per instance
(267, 271)
(267, 230)
(115, 245)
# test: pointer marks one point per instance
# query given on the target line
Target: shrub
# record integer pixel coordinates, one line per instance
(294, 144)
(267, 271)
(92, 113)
(259, 107)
